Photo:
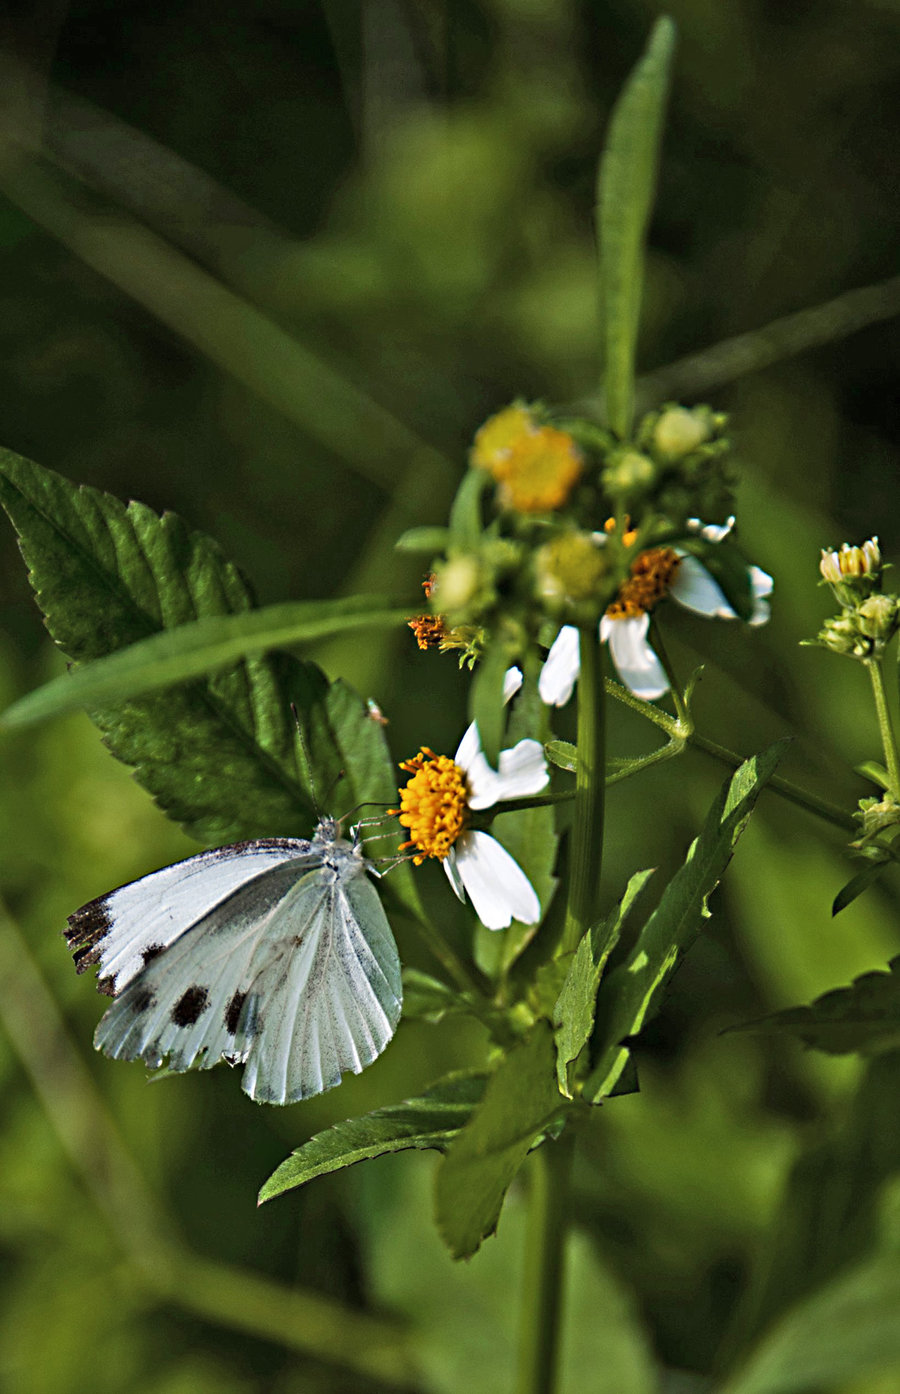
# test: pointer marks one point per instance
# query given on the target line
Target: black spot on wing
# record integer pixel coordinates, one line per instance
(142, 1001)
(190, 1007)
(151, 952)
(233, 1012)
(107, 986)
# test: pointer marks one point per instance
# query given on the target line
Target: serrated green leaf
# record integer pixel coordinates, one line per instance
(573, 1015)
(197, 649)
(562, 754)
(857, 884)
(863, 1018)
(427, 540)
(842, 1333)
(219, 755)
(625, 191)
(465, 513)
(486, 702)
(430, 1121)
(520, 1102)
(630, 995)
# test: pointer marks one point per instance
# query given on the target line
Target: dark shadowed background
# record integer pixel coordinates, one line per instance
(269, 264)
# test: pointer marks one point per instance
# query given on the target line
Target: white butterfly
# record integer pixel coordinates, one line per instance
(274, 954)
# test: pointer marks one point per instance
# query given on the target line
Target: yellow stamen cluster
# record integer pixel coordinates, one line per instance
(433, 805)
(652, 574)
(851, 562)
(535, 466)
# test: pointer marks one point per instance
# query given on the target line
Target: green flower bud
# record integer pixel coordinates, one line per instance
(628, 474)
(459, 585)
(854, 573)
(878, 617)
(572, 575)
(843, 634)
(877, 814)
(679, 431)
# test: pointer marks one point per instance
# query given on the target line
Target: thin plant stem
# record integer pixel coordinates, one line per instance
(659, 648)
(783, 787)
(885, 724)
(550, 1170)
(445, 955)
(590, 782)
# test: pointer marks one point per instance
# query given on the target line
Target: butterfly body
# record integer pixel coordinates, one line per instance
(275, 954)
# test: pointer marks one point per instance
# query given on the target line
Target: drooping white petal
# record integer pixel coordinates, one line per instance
(695, 589)
(523, 770)
(560, 672)
(498, 887)
(512, 681)
(762, 584)
(453, 875)
(469, 749)
(713, 532)
(637, 664)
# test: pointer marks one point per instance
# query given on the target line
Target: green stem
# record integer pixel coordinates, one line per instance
(446, 956)
(669, 724)
(792, 792)
(885, 724)
(586, 847)
(550, 1169)
(659, 648)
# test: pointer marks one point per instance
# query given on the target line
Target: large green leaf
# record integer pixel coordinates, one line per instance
(197, 649)
(432, 1120)
(520, 1102)
(573, 1015)
(863, 1018)
(630, 995)
(220, 755)
(625, 190)
(840, 1334)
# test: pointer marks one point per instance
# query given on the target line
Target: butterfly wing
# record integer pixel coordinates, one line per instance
(327, 998)
(294, 972)
(123, 931)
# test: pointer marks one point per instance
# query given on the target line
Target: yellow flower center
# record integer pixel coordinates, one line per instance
(433, 805)
(652, 574)
(535, 466)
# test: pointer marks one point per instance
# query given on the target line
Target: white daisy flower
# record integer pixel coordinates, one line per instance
(655, 574)
(435, 806)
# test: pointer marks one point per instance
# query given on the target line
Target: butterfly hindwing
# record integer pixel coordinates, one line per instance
(288, 965)
(331, 1005)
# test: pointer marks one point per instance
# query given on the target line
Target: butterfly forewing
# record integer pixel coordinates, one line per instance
(287, 964)
(122, 931)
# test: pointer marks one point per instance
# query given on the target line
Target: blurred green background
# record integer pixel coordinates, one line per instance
(269, 264)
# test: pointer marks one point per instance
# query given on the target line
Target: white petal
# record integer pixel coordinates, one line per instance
(469, 751)
(637, 664)
(762, 584)
(696, 590)
(498, 887)
(512, 681)
(560, 672)
(713, 532)
(523, 770)
(453, 875)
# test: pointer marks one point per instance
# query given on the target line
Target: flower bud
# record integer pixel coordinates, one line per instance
(571, 572)
(854, 573)
(457, 584)
(631, 473)
(878, 617)
(843, 634)
(877, 814)
(679, 431)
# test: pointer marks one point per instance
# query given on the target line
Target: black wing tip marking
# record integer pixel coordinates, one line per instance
(86, 931)
(190, 1006)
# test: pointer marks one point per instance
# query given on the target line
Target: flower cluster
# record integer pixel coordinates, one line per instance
(868, 619)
